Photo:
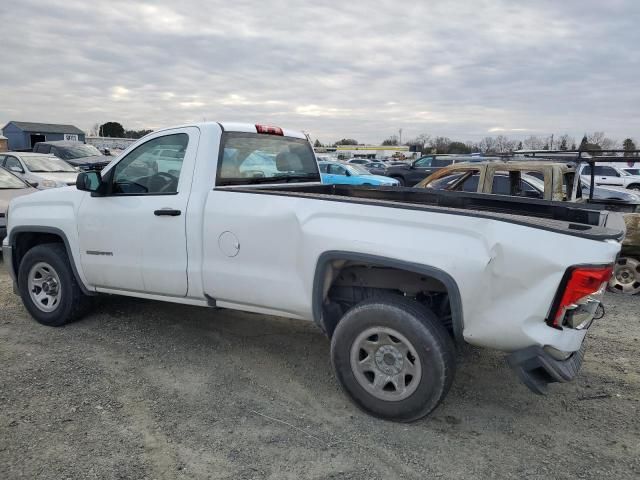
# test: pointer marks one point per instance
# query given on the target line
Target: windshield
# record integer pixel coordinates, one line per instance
(250, 158)
(10, 181)
(357, 169)
(76, 151)
(46, 163)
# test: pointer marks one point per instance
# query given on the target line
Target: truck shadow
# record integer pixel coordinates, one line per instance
(282, 354)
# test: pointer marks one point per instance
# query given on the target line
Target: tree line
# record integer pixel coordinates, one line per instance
(502, 144)
(115, 130)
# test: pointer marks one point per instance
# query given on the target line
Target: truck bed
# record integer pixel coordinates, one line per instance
(580, 221)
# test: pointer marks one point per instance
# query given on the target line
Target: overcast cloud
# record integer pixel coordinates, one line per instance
(359, 69)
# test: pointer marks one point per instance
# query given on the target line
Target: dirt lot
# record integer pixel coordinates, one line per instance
(148, 390)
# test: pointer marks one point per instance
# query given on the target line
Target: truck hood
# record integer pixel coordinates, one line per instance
(6, 195)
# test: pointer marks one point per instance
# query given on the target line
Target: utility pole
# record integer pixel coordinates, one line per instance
(400, 141)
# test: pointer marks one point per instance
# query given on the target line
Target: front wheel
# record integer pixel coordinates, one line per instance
(48, 287)
(393, 358)
(634, 186)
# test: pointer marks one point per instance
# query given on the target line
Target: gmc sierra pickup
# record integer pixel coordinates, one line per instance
(234, 216)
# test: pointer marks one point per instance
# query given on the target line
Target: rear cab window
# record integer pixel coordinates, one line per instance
(254, 158)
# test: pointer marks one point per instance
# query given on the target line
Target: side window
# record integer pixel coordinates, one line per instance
(337, 169)
(471, 183)
(54, 151)
(44, 148)
(586, 170)
(423, 162)
(501, 185)
(608, 172)
(13, 164)
(441, 162)
(144, 172)
(323, 167)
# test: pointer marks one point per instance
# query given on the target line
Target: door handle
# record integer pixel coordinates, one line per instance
(167, 212)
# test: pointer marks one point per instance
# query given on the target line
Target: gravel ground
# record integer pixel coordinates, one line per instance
(148, 390)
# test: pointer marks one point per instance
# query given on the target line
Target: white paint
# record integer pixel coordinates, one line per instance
(507, 274)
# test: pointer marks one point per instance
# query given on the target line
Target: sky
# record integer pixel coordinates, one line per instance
(335, 69)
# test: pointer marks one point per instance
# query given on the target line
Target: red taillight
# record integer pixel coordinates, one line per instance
(582, 282)
(269, 130)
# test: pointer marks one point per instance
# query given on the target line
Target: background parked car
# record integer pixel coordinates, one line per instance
(341, 173)
(611, 176)
(410, 173)
(359, 161)
(81, 155)
(10, 187)
(632, 171)
(375, 164)
(41, 171)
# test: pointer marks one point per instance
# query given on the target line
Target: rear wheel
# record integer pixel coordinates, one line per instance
(626, 276)
(394, 358)
(48, 287)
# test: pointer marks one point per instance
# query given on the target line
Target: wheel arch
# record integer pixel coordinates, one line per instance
(322, 281)
(23, 238)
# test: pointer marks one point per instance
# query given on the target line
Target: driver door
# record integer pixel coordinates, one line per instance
(338, 174)
(133, 238)
(421, 169)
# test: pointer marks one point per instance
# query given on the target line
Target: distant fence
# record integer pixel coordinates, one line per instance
(111, 143)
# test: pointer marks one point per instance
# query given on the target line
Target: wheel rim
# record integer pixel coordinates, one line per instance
(626, 276)
(44, 287)
(385, 364)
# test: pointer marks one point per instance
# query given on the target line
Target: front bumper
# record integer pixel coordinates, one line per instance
(536, 368)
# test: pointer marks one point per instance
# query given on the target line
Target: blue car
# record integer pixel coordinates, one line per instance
(350, 174)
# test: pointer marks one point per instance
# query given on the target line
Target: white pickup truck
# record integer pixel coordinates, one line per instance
(235, 216)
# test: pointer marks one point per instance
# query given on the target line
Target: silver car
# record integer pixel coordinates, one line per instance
(40, 170)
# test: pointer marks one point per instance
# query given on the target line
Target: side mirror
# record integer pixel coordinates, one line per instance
(347, 173)
(88, 181)
(33, 184)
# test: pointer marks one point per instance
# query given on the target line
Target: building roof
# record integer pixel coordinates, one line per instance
(46, 127)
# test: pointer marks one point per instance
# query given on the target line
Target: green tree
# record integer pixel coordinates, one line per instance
(391, 141)
(112, 129)
(458, 148)
(317, 143)
(563, 144)
(584, 142)
(347, 141)
(629, 146)
(136, 133)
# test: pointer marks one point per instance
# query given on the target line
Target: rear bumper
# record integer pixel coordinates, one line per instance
(536, 368)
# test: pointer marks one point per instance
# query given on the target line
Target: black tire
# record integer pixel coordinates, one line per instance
(72, 302)
(634, 186)
(399, 179)
(428, 337)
